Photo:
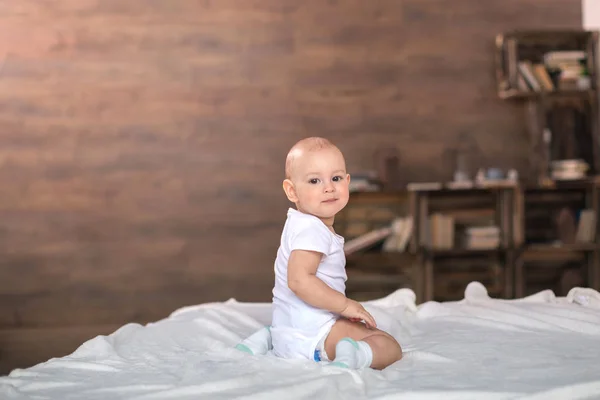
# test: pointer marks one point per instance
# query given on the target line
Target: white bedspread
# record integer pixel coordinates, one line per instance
(540, 347)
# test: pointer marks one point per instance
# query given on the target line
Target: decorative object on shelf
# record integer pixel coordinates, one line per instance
(461, 171)
(480, 176)
(364, 182)
(569, 169)
(494, 174)
(387, 160)
(512, 175)
(495, 177)
(461, 178)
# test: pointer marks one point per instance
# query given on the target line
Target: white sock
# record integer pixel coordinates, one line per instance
(352, 354)
(257, 343)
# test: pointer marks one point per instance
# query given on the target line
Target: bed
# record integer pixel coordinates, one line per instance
(537, 347)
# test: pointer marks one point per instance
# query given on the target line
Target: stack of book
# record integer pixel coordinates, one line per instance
(560, 70)
(481, 237)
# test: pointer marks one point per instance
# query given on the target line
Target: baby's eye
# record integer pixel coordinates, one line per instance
(313, 181)
(337, 178)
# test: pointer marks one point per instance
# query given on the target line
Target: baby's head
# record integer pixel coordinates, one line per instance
(316, 179)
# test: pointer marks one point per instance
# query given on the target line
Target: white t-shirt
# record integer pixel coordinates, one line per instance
(297, 326)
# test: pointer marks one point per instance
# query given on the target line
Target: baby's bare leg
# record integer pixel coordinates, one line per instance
(386, 349)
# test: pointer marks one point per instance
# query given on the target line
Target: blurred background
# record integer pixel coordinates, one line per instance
(142, 143)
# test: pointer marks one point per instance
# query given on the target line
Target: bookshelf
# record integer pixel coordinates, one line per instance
(532, 64)
(464, 235)
(434, 261)
(383, 265)
(554, 74)
(560, 225)
(538, 244)
(529, 236)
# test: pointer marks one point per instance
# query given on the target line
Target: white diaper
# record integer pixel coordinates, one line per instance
(320, 353)
(294, 343)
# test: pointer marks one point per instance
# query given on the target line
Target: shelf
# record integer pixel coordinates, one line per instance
(463, 252)
(385, 261)
(517, 94)
(506, 268)
(566, 184)
(380, 196)
(489, 188)
(546, 248)
(575, 247)
(360, 279)
(544, 35)
(521, 64)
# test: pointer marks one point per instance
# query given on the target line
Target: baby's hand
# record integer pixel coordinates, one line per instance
(355, 311)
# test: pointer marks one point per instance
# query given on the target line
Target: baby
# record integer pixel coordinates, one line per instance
(312, 317)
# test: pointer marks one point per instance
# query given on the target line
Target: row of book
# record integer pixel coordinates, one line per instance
(443, 233)
(395, 237)
(559, 70)
(439, 233)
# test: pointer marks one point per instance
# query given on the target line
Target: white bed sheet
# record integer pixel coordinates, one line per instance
(540, 347)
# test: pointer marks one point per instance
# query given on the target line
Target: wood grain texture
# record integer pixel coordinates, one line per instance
(142, 143)
(22, 348)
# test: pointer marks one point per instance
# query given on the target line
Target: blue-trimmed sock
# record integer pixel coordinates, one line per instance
(352, 354)
(257, 343)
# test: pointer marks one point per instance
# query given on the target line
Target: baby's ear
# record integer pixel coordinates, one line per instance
(290, 190)
(348, 177)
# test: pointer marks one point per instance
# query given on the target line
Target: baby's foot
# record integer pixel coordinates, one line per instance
(352, 354)
(257, 343)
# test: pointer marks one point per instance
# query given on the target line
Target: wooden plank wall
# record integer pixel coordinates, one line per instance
(142, 143)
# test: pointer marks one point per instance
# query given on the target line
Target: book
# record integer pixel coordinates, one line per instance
(367, 240)
(586, 230)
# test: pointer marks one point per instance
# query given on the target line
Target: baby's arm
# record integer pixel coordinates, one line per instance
(302, 280)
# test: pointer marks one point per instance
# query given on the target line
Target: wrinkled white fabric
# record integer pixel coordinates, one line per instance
(538, 347)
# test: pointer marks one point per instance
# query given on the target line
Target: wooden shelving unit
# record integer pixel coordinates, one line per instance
(532, 46)
(523, 262)
(551, 247)
(561, 101)
(554, 74)
(447, 270)
(375, 273)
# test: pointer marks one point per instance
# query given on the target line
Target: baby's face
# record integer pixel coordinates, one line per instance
(321, 182)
